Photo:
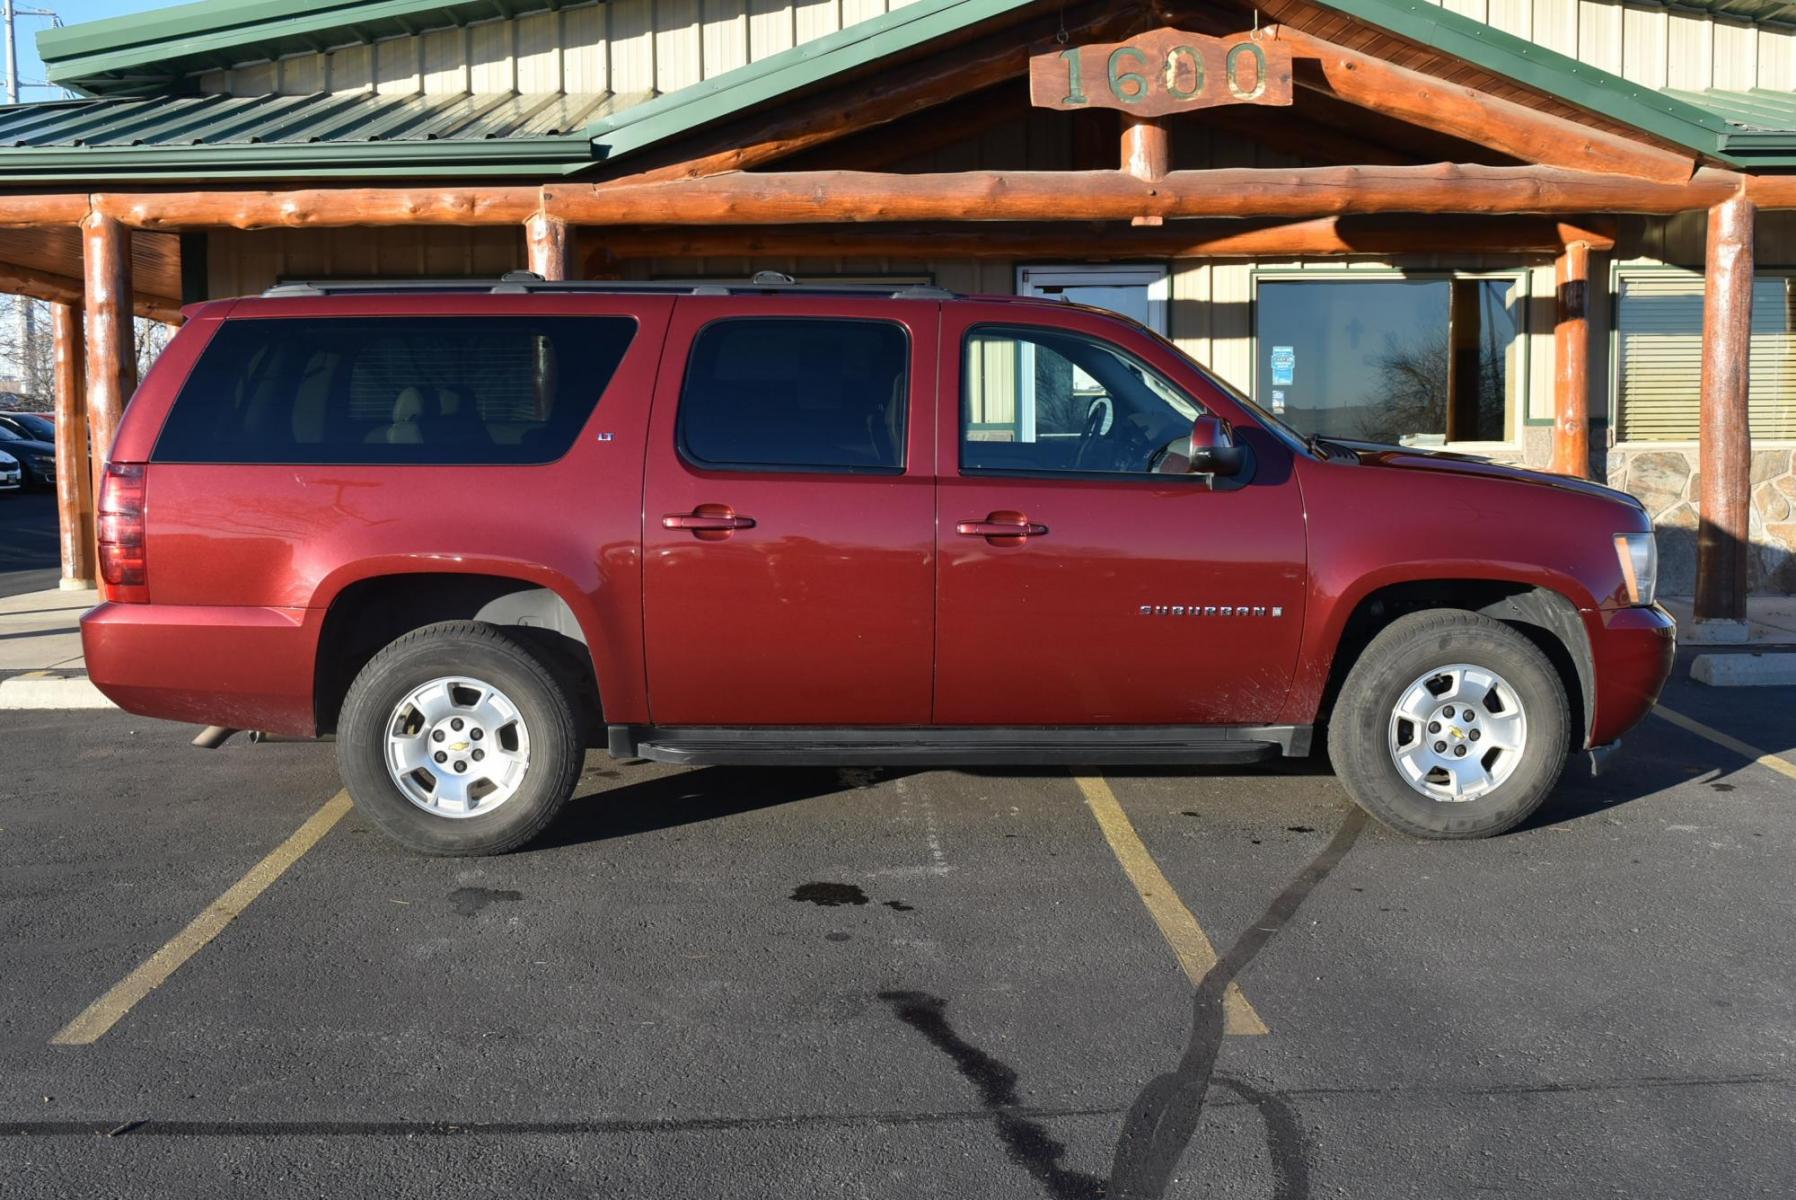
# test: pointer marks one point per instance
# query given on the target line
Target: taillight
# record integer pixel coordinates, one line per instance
(122, 566)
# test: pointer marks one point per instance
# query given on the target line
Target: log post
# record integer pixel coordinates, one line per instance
(1725, 454)
(550, 246)
(1146, 154)
(1571, 362)
(74, 480)
(111, 348)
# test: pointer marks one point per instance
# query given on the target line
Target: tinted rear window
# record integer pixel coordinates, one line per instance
(394, 390)
(800, 394)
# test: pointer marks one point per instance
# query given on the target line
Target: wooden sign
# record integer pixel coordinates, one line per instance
(1162, 72)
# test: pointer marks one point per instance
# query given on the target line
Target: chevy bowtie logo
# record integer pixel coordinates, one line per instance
(1212, 610)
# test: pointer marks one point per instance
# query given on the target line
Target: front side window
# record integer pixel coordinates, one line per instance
(1413, 362)
(796, 394)
(1037, 399)
(441, 390)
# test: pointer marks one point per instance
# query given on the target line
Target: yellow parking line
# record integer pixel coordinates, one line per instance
(1782, 766)
(109, 1009)
(1190, 944)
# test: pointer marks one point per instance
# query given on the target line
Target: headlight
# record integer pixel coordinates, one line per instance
(1639, 554)
(44, 462)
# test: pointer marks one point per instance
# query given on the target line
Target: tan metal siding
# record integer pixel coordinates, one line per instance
(1653, 46)
(626, 46)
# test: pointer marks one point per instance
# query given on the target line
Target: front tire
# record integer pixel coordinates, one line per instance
(456, 740)
(1450, 725)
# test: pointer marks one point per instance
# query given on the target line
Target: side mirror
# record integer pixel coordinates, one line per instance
(1213, 448)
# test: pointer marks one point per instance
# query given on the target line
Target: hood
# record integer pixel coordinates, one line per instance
(26, 446)
(1407, 458)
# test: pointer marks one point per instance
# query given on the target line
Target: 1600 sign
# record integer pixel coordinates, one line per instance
(1162, 72)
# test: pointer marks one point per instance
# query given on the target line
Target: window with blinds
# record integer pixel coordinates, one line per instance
(1659, 325)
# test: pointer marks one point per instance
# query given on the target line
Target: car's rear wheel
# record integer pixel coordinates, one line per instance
(455, 739)
(1450, 725)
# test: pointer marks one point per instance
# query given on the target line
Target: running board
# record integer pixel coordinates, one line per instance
(963, 746)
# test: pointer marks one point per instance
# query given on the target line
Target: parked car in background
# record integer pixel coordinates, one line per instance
(10, 474)
(36, 454)
(474, 530)
(31, 424)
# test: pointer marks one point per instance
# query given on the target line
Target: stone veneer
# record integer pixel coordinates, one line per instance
(1668, 483)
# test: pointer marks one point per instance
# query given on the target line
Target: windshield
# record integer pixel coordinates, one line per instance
(35, 426)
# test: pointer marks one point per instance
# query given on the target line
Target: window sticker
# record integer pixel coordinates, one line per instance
(1278, 401)
(1284, 366)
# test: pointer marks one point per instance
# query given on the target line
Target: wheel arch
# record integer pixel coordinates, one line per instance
(368, 612)
(1546, 617)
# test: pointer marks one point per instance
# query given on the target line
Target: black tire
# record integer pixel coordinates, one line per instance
(491, 655)
(1359, 730)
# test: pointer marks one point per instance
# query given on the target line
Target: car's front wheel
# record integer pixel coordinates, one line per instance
(1450, 725)
(455, 739)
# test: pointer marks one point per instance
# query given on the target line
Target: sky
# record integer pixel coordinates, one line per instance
(72, 12)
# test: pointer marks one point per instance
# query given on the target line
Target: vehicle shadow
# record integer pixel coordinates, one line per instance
(691, 797)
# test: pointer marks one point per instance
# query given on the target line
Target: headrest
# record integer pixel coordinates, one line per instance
(408, 406)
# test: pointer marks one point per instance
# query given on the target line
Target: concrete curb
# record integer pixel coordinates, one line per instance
(1745, 670)
(40, 689)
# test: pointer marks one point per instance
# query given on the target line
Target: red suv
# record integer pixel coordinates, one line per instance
(472, 530)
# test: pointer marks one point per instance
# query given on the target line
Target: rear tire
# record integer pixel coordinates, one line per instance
(456, 740)
(1450, 725)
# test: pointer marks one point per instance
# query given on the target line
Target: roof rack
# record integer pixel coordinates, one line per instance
(528, 282)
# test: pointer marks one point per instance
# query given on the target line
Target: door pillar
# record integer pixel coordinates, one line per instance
(111, 348)
(1725, 447)
(1571, 361)
(74, 479)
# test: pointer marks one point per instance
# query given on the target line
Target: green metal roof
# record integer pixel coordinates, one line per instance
(157, 50)
(184, 137)
(317, 135)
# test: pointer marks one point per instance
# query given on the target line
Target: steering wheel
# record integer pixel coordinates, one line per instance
(1095, 419)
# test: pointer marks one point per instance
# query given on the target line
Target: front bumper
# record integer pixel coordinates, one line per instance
(1631, 650)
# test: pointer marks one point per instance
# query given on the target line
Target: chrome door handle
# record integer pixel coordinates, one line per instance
(706, 522)
(1001, 528)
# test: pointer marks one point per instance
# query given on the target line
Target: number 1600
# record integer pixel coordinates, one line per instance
(1182, 74)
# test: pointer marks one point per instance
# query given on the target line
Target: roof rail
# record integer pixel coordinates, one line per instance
(529, 282)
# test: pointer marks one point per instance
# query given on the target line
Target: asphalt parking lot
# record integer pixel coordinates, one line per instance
(819, 983)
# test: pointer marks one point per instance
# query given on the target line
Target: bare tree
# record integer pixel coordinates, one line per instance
(28, 350)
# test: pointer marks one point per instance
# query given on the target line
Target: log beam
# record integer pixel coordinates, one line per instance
(74, 482)
(1146, 154)
(111, 347)
(19, 280)
(1465, 112)
(26, 210)
(550, 246)
(1725, 440)
(847, 196)
(319, 208)
(1321, 236)
(1571, 362)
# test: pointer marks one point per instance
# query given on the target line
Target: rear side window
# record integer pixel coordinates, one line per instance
(796, 394)
(449, 390)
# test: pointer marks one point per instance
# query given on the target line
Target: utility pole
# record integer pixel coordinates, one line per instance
(12, 57)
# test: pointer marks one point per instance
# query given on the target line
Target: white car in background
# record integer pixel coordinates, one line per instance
(10, 473)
